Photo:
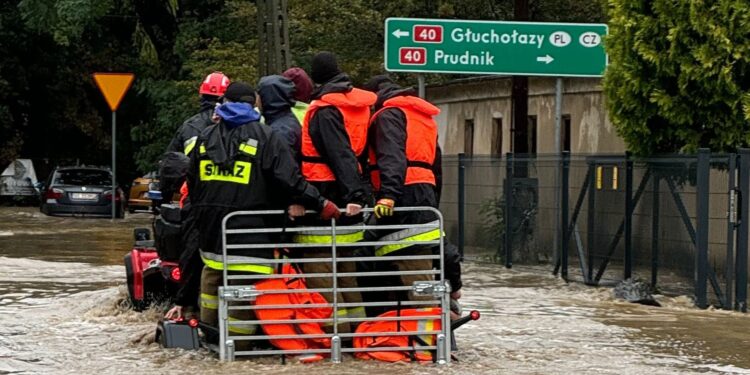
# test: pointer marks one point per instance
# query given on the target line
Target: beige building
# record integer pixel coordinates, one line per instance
(475, 116)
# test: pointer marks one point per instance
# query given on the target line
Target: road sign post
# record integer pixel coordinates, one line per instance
(494, 47)
(113, 87)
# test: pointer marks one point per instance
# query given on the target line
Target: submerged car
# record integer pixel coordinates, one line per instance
(81, 191)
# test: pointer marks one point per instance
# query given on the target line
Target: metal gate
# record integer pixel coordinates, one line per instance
(238, 291)
(632, 217)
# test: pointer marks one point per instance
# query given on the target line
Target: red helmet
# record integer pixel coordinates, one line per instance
(215, 84)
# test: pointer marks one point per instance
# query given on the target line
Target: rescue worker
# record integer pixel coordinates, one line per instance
(276, 100)
(240, 164)
(334, 133)
(211, 90)
(405, 172)
(303, 87)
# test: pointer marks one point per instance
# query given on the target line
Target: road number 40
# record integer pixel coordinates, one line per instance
(412, 56)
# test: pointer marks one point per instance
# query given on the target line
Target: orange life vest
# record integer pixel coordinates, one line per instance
(355, 109)
(292, 282)
(421, 140)
(429, 323)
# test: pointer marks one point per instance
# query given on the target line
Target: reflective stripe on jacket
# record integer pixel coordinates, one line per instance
(420, 142)
(355, 110)
(209, 301)
(238, 263)
(407, 235)
(431, 323)
(343, 235)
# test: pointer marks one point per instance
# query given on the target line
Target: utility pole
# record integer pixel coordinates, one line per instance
(273, 37)
(520, 100)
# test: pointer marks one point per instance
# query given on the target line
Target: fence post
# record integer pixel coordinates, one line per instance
(628, 217)
(740, 288)
(701, 238)
(732, 226)
(591, 219)
(461, 202)
(508, 212)
(655, 230)
(564, 217)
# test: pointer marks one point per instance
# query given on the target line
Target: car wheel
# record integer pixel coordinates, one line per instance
(131, 210)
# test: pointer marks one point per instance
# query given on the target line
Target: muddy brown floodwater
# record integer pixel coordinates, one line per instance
(62, 311)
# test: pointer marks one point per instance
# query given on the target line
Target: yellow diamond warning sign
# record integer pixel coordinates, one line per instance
(113, 86)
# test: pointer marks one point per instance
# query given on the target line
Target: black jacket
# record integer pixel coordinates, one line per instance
(192, 127)
(273, 182)
(277, 98)
(331, 140)
(387, 136)
(191, 264)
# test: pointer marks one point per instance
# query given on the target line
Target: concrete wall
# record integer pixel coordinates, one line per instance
(483, 99)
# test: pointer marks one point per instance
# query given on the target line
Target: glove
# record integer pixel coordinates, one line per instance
(329, 211)
(353, 209)
(384, 207)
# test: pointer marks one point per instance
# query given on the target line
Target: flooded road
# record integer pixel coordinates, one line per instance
(62, 311)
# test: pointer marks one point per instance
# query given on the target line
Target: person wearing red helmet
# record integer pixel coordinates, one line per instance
(211, 90)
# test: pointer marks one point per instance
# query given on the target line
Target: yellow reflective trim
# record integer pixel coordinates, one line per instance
(256, 268)
(327, 239)
(207, 301)
(202, 149)
(189, 145)
(248, 149)
(428, 339)
(239, 174)
(189, 148)
(599, 178)
(426, 236)
(356, 312)
(243, 329)
(429, 327)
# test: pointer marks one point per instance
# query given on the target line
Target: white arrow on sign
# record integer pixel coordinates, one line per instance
(398, 33)
(545, 59)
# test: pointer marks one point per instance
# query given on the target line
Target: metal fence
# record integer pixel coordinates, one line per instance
(676, 221)
(238, 292)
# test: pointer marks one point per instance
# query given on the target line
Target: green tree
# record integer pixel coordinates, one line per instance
(679, 74)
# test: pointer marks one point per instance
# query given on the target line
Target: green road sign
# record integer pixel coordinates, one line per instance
(489, 47)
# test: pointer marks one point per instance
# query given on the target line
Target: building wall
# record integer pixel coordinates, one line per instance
(484, 99)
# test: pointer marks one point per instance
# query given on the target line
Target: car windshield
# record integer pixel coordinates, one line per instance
(81, 177)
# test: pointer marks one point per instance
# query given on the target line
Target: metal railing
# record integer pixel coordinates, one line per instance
(241, 289)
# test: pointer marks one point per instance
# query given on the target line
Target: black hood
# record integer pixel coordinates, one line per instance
(339, 83)
(392, 91)
(276, 94)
